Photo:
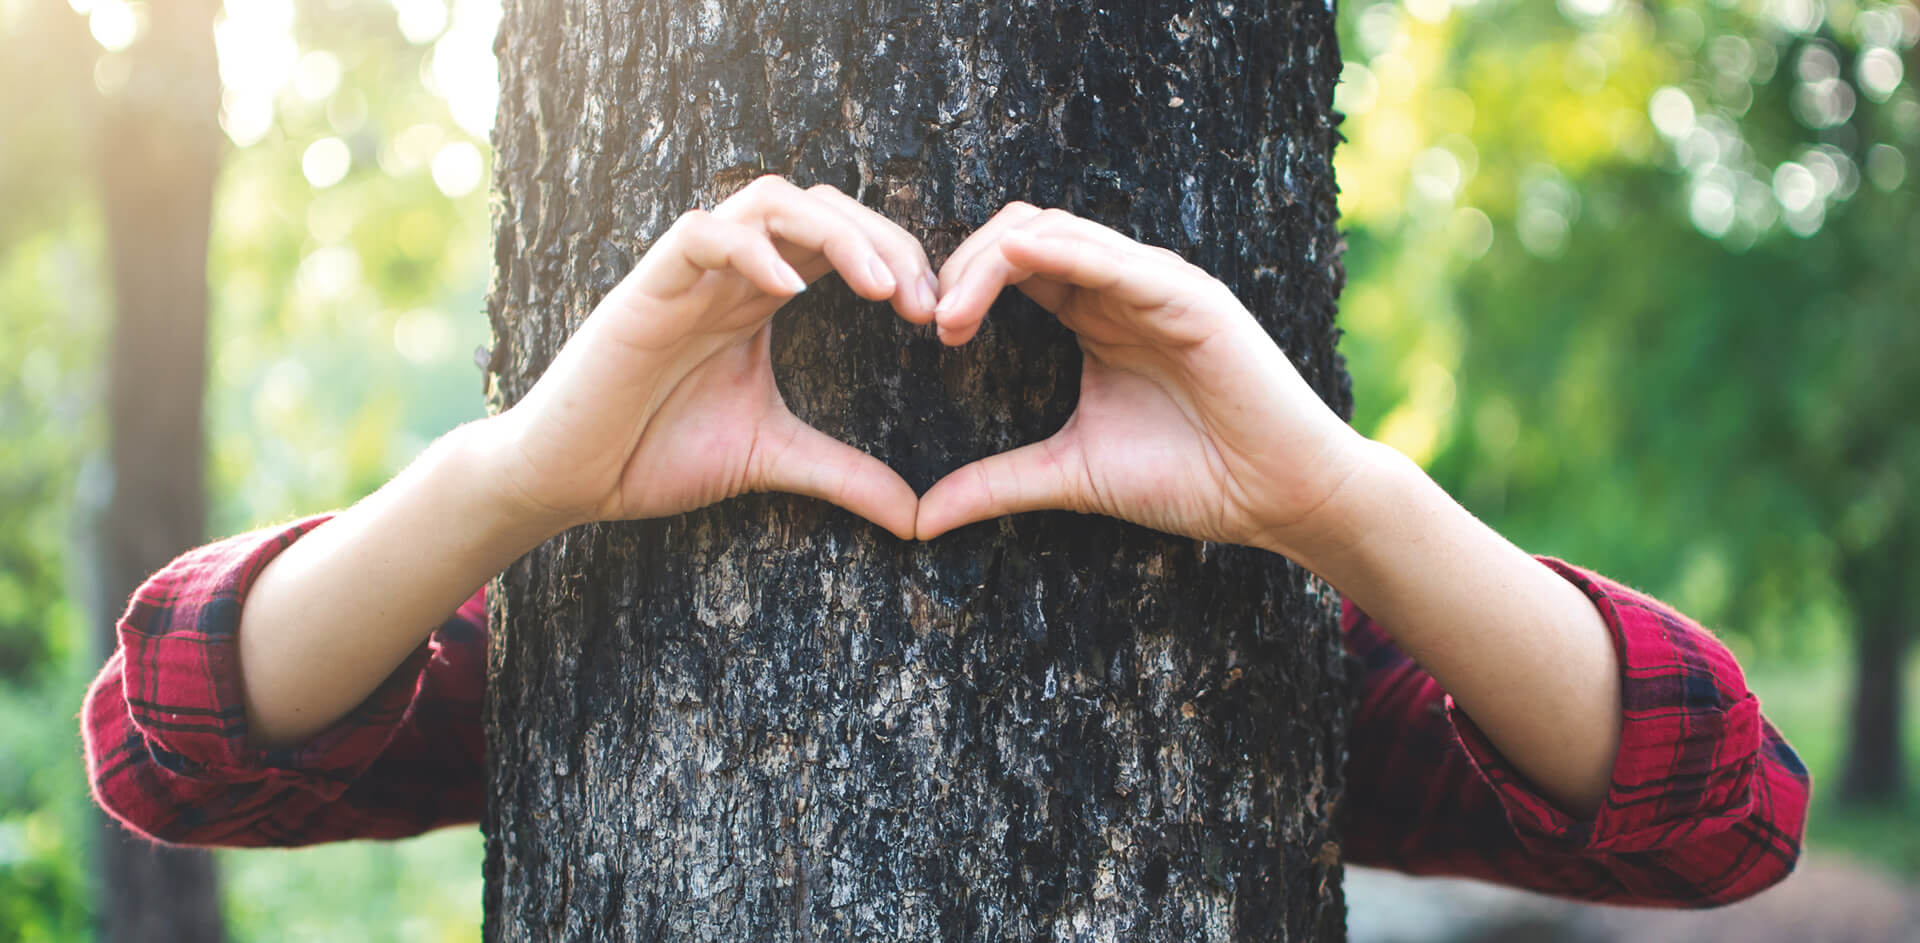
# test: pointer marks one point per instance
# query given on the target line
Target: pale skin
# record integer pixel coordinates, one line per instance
(1190, 420)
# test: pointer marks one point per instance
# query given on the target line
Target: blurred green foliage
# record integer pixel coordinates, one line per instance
(1636, 282)
(343, 323)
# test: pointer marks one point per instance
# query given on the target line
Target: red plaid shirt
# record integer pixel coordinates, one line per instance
(1707, 803)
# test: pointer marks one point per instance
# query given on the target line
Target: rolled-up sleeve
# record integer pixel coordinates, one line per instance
(1707, 802)
(165, 733)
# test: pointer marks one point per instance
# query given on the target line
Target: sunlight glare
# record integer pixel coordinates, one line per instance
(114, 24)
(257, 54)
(463, 71)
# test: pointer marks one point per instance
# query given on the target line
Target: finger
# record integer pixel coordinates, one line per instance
(794, 457)
(1036, 477)
(974, 275)
(974, 286)
(904, 254)
(700, 242)
(813, 226)
(972, 282)
(1008, 216)
(1077, 257)
(958, 321)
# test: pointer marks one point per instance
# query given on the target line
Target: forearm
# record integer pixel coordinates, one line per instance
(332, 616)
(1520, 649)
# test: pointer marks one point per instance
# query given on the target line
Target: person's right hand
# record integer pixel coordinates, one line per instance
(664, 401)
(1191, 420)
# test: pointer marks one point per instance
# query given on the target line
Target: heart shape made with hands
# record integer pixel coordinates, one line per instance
(1189, 419)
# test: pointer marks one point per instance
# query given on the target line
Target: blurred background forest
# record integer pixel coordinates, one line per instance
(1636, 282)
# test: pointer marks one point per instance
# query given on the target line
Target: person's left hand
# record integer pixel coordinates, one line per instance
(664, 401)
(1190, 419)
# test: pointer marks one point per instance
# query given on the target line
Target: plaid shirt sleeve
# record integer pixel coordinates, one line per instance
(1707, 803)
(166, 734)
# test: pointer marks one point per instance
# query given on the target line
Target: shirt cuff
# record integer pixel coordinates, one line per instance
(1689, 738)
(179, 639)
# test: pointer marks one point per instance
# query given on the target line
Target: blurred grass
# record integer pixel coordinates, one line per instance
(423, 890)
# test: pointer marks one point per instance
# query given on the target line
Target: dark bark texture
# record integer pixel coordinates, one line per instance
(159, 150)
(771, 721)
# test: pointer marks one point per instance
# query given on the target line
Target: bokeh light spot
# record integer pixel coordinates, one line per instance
(457, 169)
(1880, 72)
(327, 274)
(1472, 231)
(421, 21)
(317, 75)
(246, 117)
(411, 149)
(114, 24)
(1428, 11)
(326, 162)
(1672, 112)
(1795, 187)
(423, 336)
(1357, 91)
(1711, 204)
(1886, 167)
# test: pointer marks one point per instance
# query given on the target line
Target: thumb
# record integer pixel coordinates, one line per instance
(794, 457)
(1036, 477)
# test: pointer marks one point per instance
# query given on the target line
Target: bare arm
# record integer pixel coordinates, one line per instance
(663, 402)
(1191, 421)
(336, 611)
(1519, 648)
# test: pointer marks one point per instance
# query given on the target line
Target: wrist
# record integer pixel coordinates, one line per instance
(482, 463)
(1379, 489)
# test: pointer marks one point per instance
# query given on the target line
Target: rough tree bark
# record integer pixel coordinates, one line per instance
(770, 721)
(159, 150)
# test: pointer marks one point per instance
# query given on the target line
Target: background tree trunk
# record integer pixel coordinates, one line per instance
(1878, 586)
(771, 721)
(159, 152)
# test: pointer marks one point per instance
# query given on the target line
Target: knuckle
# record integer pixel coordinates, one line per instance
(691, 219)
(1053, 220)
(764, 187)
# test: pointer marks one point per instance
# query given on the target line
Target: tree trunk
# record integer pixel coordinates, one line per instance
(159, 152)
(1877, 587)
(1874, 770)
(771, 721)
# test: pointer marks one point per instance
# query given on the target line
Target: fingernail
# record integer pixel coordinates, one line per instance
(880, 273)
(795, 283)
(929, 291)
